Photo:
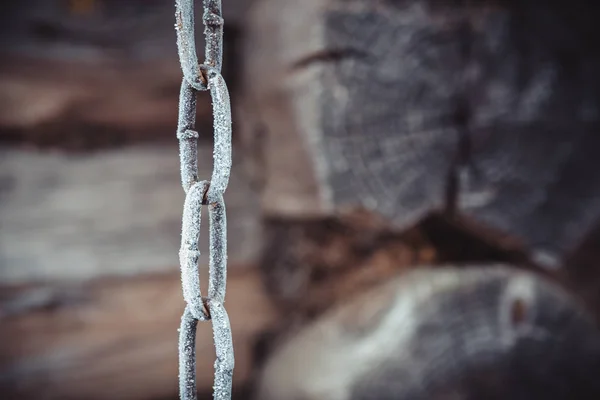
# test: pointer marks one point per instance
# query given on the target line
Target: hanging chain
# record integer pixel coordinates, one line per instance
(196, 78)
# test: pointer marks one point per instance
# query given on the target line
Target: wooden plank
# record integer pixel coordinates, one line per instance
(118, 212)
(100, 74)
(116, 338)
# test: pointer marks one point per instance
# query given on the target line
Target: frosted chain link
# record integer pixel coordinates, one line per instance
(196, 78)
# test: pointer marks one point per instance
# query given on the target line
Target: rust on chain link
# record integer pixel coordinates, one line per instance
(197, 78)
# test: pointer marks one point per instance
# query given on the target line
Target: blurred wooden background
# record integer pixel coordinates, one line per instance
(90, 199)
(90, 204)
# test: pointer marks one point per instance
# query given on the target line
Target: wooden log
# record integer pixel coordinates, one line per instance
(466, 109)
(73, 217)
(68, 104)
(98, 73)
(278, 108)
(487, 332)
(430, 106)
(116, 338)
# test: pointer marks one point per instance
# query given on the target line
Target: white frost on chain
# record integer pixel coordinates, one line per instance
(184, 27)
(187, 355)
(224, 349)
(188, 138)
(214, 35)
(189, 252)
(218, 251)
(222, 142)
(190, 232)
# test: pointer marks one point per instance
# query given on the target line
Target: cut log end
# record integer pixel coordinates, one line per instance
(487, 332)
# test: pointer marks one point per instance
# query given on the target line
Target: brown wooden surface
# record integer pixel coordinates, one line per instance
(115, 338)
(102, 75)
(90, 104)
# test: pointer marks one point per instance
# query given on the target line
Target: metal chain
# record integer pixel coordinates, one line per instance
(196, 78)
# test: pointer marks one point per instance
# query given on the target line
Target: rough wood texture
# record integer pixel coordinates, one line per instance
(479, 333)
(279, 107)
(310, 265)
(98, 73)
(67, 217)
(89, 104)
(482, 112)
(489, 109)
(115, 338)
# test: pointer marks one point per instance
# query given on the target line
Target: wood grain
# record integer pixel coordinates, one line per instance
(81, 216)
(115, 338)
(409, 107)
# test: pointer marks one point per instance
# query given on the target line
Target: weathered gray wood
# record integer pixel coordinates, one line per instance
(71, 217)
(280, 107)
(487, 332)
(408, 107)
(116, 338)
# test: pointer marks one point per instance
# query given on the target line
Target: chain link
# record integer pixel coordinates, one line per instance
(200, 77)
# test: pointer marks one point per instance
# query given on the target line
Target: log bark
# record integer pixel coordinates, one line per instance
(116, 338)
